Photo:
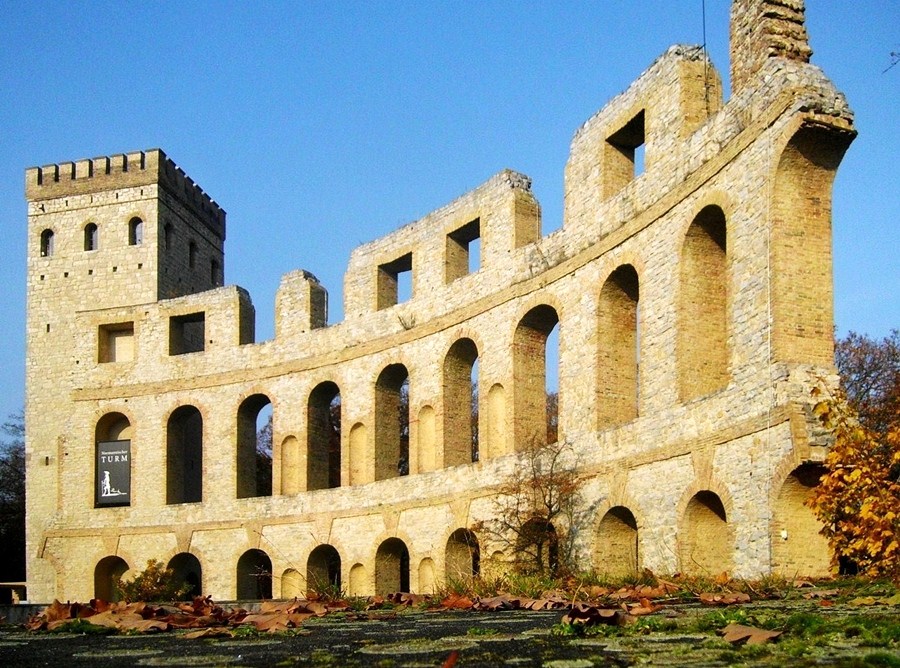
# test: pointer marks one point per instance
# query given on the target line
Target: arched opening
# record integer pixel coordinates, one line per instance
(616, 546)
(107, 573)
(186, 569)
(184, 456)
(497, 436)
(290, 465)
(112, 444)
(463, 556)
(113, 427)
(254, 447)
(358, 581)
(323, 437)
(323, 571)
(703, 356)
(135, 231)
(426, 576)
(427, 437)
(618, 340)
(535, 403)
(800, 246)
(292, 584)
(705, 540)
(391, 567)
(798, 549)
(91, 237)
(254, 576)
(537, 547)
(392, 422)
(460, 439)
(359, 467)
(47, 245)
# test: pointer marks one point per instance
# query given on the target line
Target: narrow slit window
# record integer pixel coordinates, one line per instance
(135, 232)
(47, 243)
(91, 237)
(192, 255)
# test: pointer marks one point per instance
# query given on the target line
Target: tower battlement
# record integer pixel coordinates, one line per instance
(123, 170)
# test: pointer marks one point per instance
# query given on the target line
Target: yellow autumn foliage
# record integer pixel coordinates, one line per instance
(858, 497)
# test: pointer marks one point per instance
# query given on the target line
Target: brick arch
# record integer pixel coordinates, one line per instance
(459, 445)
(324, 569)
(392, 562)
(797, 547)
(101, 414)
(358, 466)
(391, 443)
(253, 474)
(462, 555)
(618, 354)
(184, 429)
(529, 389)
(800, 243)
(616, 549)
(106, 571)
(323, 454)
(288, 457)
(705, 537)
(703, 305)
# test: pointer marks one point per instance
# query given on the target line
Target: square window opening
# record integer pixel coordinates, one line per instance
(116, 343)
(187, 333)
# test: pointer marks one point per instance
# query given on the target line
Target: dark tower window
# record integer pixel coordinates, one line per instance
(46, 243)
(192, 255)
(169, 236)
(135, 232)
(91, 237)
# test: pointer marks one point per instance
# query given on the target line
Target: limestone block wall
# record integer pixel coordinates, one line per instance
(693, 306)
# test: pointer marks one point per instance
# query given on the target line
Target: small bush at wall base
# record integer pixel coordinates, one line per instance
(156, 583)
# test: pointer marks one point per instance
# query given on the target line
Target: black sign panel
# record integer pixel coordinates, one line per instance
(114, 473)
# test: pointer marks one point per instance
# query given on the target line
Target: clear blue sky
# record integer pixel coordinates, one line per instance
(321, 125)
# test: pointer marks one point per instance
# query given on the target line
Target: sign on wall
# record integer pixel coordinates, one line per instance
(113, 473)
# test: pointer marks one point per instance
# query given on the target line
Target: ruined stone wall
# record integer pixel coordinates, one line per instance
(693, 304)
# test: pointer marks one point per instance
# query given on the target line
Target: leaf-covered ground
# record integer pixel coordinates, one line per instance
(847, 623)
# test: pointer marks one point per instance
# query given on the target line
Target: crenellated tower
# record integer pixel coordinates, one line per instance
(103, 233)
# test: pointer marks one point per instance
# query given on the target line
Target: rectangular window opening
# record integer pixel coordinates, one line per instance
(463, 251)
(116, 343)
(395, 282)
(187, 333)
(625, 155)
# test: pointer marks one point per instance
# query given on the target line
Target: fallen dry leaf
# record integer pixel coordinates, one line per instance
(724, 598)
(738, 634)
(589, 615)
(457, 602)
(820, 593)
(210, 632)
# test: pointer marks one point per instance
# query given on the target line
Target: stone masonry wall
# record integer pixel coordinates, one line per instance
(692, 300)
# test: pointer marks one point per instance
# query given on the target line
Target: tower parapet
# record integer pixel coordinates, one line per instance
(124, 170)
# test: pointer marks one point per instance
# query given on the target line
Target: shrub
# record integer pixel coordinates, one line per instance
(156, 583)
